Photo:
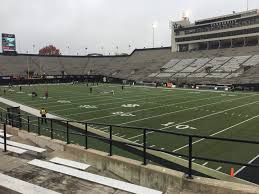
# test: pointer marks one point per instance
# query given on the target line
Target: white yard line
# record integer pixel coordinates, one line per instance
(94, 97)
(135, 100)
(219, 168)
(188, 120)
(221, 131)
(167, 105)
(243, 167)
(204, 164)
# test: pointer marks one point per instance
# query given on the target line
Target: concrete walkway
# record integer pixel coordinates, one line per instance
(28, 109)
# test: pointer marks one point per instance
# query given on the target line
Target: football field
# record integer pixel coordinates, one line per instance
(216, 114)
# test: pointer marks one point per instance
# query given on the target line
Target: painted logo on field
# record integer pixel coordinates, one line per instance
(231, 95)
(43, 97)
(87, 106)
(19, 92)
(64, 101)
(130, 105)
(123, 114)
(10, 90)
(177, 126)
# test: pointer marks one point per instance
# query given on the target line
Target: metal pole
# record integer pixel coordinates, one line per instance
(144, 147)
(5, 149)
(86, 139)
(68, 133)
(51, 128)
(247, 5)
(190, 159)
(153, 37)
(110, 141)
(28, 123)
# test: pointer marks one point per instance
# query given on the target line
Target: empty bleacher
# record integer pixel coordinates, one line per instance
(141, 65)
(180, 65)
(199, 63)
(233, 64)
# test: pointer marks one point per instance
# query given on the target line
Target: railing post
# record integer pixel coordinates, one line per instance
(86, 138)
(189, 176)
(51, 128)
(110, 141)
(68, 133)
(28, 123)
(144, 147)
(5, 149)
(39, 125)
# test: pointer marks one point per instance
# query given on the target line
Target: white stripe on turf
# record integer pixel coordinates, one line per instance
(145, 99)
(221, 131)
(196, 118)
(167, 105)
(243, 167)
(173, 112)
(219, 168)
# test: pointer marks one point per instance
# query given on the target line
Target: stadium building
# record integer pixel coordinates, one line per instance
(227, 31)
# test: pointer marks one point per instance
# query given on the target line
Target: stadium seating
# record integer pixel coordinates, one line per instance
(157, 64)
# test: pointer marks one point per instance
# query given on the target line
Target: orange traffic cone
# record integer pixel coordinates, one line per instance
(232, 172)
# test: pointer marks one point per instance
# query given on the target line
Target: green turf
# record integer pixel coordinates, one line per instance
(221, 114)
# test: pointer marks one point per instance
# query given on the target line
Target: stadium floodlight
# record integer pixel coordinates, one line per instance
(154, 26)
(187, 13)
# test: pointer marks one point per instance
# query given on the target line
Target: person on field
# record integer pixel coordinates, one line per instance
(20, 88)
(91, 90)
(46, 94)
(122, 87)
(43, 113)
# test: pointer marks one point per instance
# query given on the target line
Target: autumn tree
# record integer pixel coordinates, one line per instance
(49, 50)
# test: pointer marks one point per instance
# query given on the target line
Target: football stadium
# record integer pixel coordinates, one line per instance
(176, 119)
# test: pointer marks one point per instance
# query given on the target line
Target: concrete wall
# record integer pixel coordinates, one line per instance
(156, 177)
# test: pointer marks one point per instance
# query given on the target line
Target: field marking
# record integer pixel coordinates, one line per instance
(221, 131)
(133, 100)
(185, 110)
(204, 164)
(243, 167)
(156, 108)
(218, 168)
(86, 97)
(197, 119)
(130, 100)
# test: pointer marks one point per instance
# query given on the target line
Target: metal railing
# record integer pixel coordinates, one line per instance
(69, 130)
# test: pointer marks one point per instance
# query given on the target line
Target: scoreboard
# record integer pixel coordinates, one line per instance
(8, 43)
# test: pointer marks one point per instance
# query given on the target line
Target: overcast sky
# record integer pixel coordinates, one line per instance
(102, 25)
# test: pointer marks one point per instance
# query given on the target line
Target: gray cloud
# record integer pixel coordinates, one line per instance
(97, 24)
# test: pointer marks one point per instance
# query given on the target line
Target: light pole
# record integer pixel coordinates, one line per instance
(247, 5)
(68, 50)
(33, 48)
(154, 26)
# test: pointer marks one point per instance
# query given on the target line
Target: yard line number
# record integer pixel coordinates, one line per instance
(178, 126)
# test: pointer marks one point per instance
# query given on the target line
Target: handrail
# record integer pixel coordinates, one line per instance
(109, 139)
